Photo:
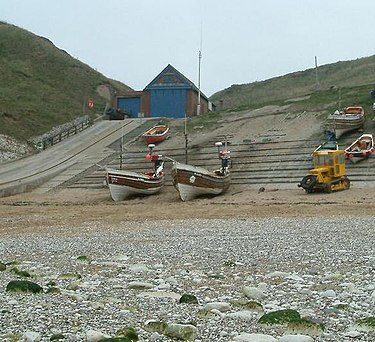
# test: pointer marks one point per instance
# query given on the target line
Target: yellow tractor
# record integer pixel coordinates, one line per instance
(328, 174)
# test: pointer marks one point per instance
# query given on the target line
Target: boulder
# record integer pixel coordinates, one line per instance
(23, 286)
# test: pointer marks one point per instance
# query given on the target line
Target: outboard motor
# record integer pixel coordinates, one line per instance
(157, 159)
(224, 156)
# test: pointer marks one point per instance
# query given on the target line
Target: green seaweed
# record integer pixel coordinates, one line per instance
(83, 258)
(23, 286)
(128, 333)
(248, 305)
(20, 273)
(3, 267)
(188, 299)
(280, 317)
(368, 322)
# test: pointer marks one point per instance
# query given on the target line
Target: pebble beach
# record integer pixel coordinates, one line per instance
(97, 279)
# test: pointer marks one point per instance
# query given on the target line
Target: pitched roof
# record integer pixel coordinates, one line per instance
(171, 77)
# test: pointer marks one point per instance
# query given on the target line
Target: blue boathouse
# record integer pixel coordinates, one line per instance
(170, 94)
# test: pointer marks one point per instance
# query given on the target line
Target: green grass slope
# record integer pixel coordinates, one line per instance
(42, 86)
(339, 84)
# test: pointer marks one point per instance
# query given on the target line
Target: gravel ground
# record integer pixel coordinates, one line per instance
(322, 267)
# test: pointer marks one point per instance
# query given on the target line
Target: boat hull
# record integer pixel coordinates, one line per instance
(125, 184)
(361, 149)
(346, 121)
(356, 159)
(192, 182)
(341, 131)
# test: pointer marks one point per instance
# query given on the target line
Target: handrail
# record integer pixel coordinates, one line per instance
(72, 128)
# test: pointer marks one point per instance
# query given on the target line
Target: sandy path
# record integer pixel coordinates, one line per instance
(75, 207)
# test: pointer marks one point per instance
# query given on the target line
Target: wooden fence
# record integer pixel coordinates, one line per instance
(66, 133)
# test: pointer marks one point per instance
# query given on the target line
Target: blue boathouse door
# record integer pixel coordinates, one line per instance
(169, 103)
(131, 104)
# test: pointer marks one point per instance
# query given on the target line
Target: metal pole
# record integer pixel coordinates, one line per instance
(122, 143)
(199, 73)
(186, 140)
(316, 73)
(84, 107)
(199, 83)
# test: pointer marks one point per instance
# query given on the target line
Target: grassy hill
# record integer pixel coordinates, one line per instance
(42, 86)
(339, 84)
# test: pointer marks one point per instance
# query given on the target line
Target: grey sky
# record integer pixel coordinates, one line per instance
(242, 40)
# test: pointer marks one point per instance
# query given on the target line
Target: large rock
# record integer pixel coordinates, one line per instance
(244, 337)
(253, 293)
(248, 305)
(95, 336)
(127, 333)
(220, 306)
(188, 299)
(31, 336)
(140, 285)
(280, 317)
(296, 338)
(156, 326)
(243, 315)
(184, 332)
(23, 286)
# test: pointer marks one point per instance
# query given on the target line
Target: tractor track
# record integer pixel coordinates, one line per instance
(40, 169)
(63, 161)
(278, 165)
(276, 162)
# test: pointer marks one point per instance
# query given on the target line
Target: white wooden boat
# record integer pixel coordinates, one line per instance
(362, 148)
(193, 181)
(349, 119)
(124, 184)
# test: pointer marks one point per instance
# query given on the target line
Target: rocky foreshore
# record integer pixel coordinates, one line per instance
(11, 149)
(277, 279)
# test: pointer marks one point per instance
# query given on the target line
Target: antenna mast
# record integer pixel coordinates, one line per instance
(316, 73)
(199, 76)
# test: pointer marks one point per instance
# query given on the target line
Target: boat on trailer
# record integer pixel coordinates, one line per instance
(193, 181)
(362, 148)
(349, 119)
(124, 184)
